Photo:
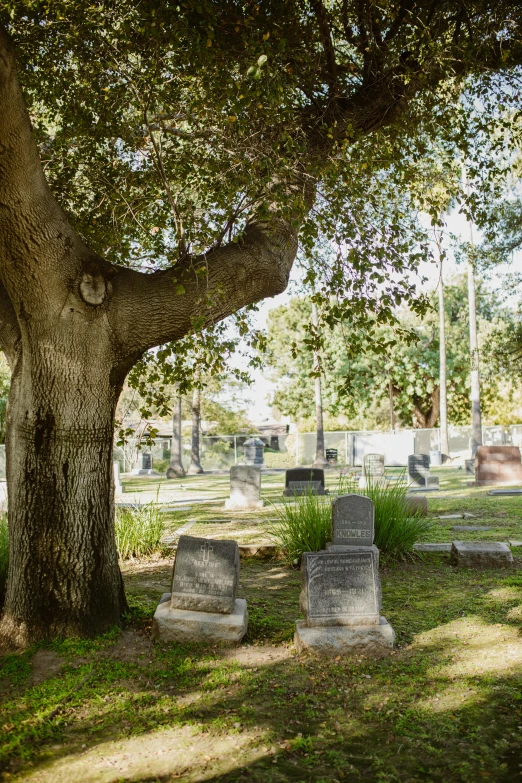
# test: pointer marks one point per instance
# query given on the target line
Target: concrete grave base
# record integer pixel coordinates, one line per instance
(182, 625)
(374, 640)
(429, 488)
(432, 547)
(290, 493)
(237, 503)
(481, 554)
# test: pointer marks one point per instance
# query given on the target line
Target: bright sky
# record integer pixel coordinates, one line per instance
(257, 395)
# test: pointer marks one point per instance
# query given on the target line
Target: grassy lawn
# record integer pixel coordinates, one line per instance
(446, 706)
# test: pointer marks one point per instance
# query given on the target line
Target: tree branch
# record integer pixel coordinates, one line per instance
(326, 38)
(39, 250)
(151, 309)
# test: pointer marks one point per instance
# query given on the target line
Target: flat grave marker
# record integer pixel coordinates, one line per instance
(481, 554)
(301, 481)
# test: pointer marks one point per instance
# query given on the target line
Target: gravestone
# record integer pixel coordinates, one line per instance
(432, 547)
(254, 449)
(143, 465)
(341, 589)
(301, 481)
(469, 464)
(332, 456)
(499, 465)
(202, 605)
(481, 554)
(373, 471)
(417, 505)
(419, 471)
(245, 487)
(352, 521)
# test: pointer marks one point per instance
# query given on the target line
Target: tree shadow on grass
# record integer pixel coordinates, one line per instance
(447, 706)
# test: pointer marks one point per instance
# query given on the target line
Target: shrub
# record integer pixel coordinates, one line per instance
(4, 556)
(303, 524)
(138, 530)
(397, 526)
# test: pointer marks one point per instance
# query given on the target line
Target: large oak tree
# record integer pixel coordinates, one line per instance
(200, 131)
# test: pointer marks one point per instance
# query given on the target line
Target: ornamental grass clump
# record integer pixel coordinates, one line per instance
(4, 556)
(397, 524)
(303, 524)
(138, 531)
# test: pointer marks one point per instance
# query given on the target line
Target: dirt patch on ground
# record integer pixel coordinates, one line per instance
(257, 656)
(45, 663)
(148, 566)
(132, 647)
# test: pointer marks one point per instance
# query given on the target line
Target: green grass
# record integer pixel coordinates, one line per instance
(138, 530)
(446, 707)
(397, 527)
(303, 524)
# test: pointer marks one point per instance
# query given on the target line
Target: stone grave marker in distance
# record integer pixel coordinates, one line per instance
(245, 487)
(300, 481)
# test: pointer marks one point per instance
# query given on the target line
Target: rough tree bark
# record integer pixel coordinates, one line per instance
(195, 464)
(426, 419)
(71, 326)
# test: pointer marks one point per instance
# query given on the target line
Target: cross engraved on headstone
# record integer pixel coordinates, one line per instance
(206, 549)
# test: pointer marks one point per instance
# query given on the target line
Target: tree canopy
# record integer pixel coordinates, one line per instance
(353, 387)
(164, 126)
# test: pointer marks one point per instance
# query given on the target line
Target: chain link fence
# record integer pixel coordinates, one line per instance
(220, 452)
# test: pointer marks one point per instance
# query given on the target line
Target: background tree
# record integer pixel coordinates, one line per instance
(187, 145)
(412, 365)
(195, 463)
(176, 469)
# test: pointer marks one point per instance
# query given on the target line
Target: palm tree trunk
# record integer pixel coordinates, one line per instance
(195, 464)
(320, 460)
(176, 469)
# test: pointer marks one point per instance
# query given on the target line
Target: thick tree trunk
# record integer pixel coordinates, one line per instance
(64, 577)
(195, 464)
(428, 419)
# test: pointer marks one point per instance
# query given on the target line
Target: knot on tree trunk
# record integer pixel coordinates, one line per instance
(94, 289)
